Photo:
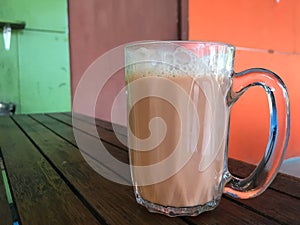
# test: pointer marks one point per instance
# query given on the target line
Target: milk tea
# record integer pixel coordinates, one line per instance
(198, 179)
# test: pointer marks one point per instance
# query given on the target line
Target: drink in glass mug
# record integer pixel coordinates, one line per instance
(179, 97)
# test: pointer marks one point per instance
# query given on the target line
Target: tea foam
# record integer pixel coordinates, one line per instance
(177, 61)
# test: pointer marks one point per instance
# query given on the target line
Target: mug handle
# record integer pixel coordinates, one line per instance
(257, 182)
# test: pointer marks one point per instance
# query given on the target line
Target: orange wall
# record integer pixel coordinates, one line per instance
(267, 34)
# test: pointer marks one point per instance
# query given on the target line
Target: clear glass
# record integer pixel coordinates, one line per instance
(179, 97)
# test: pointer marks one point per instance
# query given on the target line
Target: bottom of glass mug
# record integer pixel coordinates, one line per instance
(178, 211)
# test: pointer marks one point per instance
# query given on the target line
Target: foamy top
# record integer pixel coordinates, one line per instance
(177, 60)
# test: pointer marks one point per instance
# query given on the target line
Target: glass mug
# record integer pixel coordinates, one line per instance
(179, 96)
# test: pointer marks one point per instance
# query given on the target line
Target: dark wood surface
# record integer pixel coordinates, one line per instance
(183, 23)
(5, 213)
(52, 183)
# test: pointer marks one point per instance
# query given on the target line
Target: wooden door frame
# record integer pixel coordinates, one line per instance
(183, 22)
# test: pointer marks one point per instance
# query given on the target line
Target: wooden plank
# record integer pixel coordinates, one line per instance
(287, 186)
(101, 123)
(5, 213)
(280, 201)
(276, 205)
(112, 201)
(41, 196)
(92, 141)
(225, 206)
(239, 168)
(283, 182)
(228, 212)
(104, 134)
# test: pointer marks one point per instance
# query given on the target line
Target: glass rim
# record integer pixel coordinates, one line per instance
(179, 42)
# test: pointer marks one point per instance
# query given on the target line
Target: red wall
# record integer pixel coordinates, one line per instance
(267, 34)
(97, 26)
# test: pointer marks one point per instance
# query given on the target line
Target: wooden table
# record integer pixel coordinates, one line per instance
(51, 183)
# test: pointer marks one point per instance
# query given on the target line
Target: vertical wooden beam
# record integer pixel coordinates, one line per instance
(183, 20)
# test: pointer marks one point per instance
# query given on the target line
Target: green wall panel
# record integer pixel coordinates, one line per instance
(44, 72)
(9, 72)
(34, 73)
(38, 14)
